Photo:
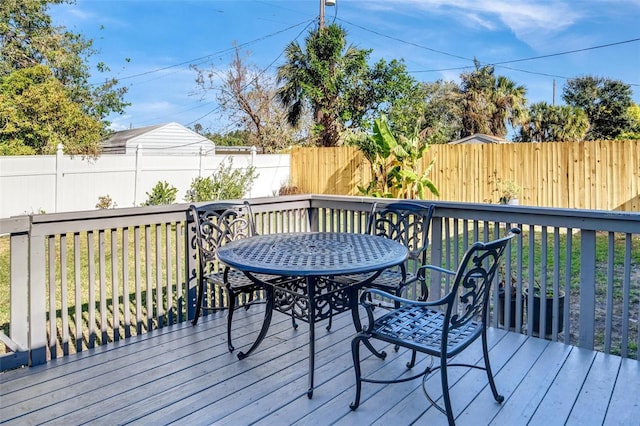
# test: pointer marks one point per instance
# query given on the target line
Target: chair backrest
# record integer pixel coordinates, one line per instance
(405, 222)
(217, 224)
(469, 296)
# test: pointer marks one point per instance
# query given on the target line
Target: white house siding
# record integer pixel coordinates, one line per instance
(170, 138)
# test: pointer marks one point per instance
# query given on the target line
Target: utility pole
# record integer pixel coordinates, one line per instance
(324, 3)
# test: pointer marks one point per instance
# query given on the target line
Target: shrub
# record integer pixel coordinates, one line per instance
(161, 194)
(225, 184)
(105, 202)
(289, 188)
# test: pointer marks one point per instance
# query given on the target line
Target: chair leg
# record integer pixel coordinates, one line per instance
(355, 352)
(411, 363)
(445, 390)
(194, 321)
(232, 308)
(485, 353)
(380, 354)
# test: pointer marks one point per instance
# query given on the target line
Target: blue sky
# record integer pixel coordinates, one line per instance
(149, 44)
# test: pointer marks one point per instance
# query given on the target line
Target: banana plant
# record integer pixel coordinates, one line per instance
(396, 163)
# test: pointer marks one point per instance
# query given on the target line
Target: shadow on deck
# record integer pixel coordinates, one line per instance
(185, 374)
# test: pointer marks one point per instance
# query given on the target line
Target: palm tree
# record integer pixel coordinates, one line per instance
(490, 102)
(573, 124)
(334, 83)
(311, 79)
(509, 106)
(548, 123)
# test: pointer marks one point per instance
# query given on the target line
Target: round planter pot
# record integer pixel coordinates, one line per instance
(548, 315)
(512, 309)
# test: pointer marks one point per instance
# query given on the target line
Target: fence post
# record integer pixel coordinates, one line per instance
(136, 183)
(202, 154)
(59, 176)
(254, 151)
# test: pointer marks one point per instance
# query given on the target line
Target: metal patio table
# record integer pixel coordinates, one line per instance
(308, 261)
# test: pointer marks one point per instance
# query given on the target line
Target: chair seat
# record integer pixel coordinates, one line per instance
(420, 328)
(237, 280)
(388, 279)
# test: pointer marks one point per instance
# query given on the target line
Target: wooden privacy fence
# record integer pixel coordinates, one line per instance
(601, 175)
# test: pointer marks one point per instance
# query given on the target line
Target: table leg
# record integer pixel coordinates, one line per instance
(311, 292)
(265, 324)
(353, 301)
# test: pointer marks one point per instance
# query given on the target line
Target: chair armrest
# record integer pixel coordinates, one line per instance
(401, 300)
(437, 269)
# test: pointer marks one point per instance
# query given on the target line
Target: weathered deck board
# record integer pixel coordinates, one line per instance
(184, 374)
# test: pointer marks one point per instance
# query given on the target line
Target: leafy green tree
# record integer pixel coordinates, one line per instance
(554, 123)
(633, 113)
(29, 39)
(489, 103)
(233, 138)
(395, 164)
(605, 101)
(334, 82)
(38, 114)
(433, 108)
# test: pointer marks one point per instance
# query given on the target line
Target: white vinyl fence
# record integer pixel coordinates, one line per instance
(63, 183)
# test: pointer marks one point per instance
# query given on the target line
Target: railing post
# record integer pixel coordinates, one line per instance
(587, 288)
(18, 340)
(191, 266)
(19, 279)
(313, 217)
(37, 300)
(436, 257)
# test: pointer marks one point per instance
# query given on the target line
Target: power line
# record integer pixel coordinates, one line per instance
(257, 75)
(406, 42)
(500, 63)
(221, 52)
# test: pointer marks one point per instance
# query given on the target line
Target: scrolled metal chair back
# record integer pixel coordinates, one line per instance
(469, 295)
(217, 224)
(405, 222)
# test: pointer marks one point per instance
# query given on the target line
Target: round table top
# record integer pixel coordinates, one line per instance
(312, 253)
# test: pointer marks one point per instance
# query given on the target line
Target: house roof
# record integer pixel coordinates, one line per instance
(479, 138)
(161, 136)
(119, 139)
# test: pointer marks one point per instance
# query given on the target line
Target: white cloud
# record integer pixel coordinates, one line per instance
(530, 21)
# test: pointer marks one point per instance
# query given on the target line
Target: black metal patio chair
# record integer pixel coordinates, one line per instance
(407, 223)
(217, 224)
(441, 328)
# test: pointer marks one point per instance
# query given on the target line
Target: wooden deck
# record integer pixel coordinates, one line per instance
(184, 374)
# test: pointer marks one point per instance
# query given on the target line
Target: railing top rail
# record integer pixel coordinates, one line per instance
(14, 225)
(594, 220)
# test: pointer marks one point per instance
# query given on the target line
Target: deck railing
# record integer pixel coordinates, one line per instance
(83, 279)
